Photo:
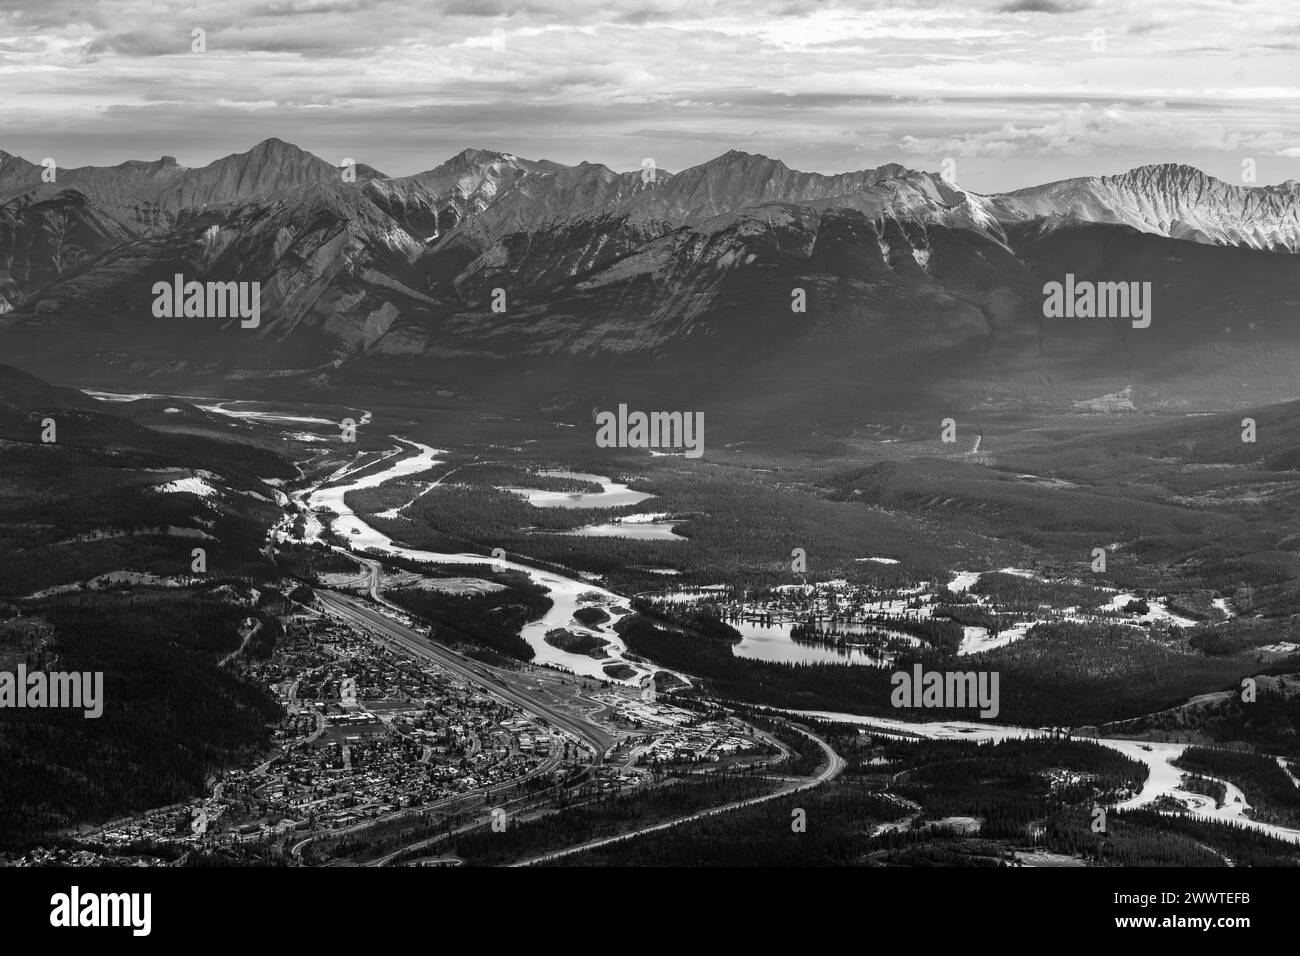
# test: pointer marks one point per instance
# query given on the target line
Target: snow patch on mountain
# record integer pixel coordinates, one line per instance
(1175, 201)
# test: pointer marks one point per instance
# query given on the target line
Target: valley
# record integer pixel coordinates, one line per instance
(910, 467)
(643, 445)
(429, 535)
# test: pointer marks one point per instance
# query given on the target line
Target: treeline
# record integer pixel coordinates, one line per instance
(1270, 723)
(976, 615)
(513, 476)
(1059, 674)
(702, 620)
(842, 737)
(1023, 595)
(1043, 792)
(834, 826)
(841, 817)
(1273, 798)
(309, 561)
(1243, 634)
(61, 499)
(807, 755)
(943, 636)
(491, 620)
(1127, 841)
(1239, 843)
(518, 580)
(796, 686)
(484, 513)
(170, 718)
(57, 534)
(1071, 673)
(1196, 604)
(742, 533)
(1010, 784)
(1215, 789)
(606, 815)
(1147, 837)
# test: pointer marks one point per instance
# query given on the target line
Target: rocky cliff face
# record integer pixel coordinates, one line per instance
(1176, 201)
(490, 257)
(148, 197)
(430, 204)
(48, 233)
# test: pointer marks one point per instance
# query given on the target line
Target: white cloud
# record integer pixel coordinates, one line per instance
(248, 104)
(822, 83)
(1089, 129)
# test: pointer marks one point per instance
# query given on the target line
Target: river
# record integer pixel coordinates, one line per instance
(567, 594)
(1163, 778)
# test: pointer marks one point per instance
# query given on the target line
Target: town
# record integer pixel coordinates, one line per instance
(371, 739)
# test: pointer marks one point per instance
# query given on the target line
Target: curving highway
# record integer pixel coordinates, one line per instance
(833, 767)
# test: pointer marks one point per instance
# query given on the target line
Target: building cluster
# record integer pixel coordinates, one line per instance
(825, 602)
(675, 735)
(367, 733)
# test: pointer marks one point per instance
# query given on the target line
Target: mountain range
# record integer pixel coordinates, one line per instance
(493, 274)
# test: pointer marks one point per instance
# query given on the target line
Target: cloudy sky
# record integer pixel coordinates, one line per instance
(1015, 91)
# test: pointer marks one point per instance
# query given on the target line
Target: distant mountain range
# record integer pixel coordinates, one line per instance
(917, 291)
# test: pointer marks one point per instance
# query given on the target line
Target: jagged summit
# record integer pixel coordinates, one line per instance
(273, 144)
(532, 224)
(903, 270)
(1168, 199)
(473, 155)
(739, 156)
(508, 192)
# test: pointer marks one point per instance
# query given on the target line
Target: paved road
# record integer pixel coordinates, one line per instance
(552, 762)
(832, 769)
(257, 626)
(1282, 762)
(421, 646)
(509, 807)
(416, 643)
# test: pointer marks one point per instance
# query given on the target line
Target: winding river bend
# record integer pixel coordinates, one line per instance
(1163, 779)
(567, 594)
